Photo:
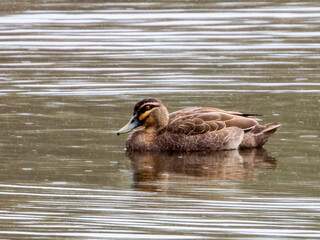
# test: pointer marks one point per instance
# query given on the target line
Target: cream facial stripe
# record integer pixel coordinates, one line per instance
(142, 115)
(149, 103)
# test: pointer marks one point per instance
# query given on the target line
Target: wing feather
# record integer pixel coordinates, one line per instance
(193, 121)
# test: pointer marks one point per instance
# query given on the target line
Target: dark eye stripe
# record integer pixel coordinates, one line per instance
(145, 108)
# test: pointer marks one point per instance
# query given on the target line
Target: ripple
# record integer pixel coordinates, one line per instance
(137, 214)
(69, 75)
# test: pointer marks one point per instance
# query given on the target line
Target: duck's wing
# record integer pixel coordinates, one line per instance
(192, 121)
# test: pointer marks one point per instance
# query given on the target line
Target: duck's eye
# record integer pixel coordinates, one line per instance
(148, 107)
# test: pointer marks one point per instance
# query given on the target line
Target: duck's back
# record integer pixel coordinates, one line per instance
(194, 121)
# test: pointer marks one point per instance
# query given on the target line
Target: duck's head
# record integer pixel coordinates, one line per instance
(150, 113)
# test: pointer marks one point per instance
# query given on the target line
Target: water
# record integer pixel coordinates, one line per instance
(70, 75)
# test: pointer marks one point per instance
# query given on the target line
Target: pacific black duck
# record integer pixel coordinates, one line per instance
(193, 129)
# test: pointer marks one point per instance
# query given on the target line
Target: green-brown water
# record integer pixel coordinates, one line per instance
(70, 73)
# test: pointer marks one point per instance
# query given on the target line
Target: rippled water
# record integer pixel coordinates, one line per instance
(70, 73)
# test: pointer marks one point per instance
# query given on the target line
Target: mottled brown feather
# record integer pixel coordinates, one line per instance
(195, 121)
(243, 123)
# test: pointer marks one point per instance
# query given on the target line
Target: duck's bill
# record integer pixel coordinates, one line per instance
(132, 124)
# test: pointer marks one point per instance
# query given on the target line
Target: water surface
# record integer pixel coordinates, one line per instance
(70, 74)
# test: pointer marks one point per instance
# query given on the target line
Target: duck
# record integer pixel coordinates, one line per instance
(193, 129)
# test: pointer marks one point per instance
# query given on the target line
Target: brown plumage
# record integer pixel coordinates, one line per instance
(193, 129)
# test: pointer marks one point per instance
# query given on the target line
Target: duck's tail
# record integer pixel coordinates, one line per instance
(258, 135)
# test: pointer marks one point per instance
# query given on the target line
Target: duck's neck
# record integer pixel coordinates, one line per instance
(160, 122)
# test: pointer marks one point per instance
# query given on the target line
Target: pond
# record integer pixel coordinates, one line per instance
(70, 74)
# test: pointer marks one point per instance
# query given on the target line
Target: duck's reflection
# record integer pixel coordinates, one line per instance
(151, 170)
